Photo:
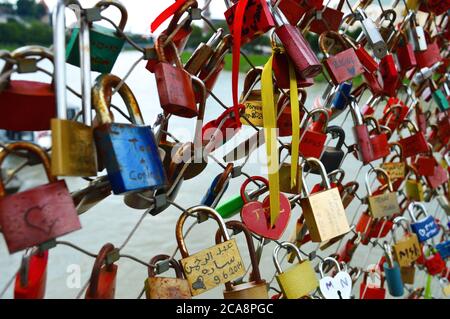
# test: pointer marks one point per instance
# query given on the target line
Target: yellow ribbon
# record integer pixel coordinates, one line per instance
(270, 125)
(295, 112)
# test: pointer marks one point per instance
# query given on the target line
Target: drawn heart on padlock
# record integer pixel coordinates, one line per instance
(256, 215)
(35, 218)
(352, 71)
(337, 287)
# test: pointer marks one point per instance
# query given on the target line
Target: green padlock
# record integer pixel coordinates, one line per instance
(440, 100)
(233, 206)
(106, 44)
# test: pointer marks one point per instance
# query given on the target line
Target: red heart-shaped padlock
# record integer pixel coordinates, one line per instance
(256, 215)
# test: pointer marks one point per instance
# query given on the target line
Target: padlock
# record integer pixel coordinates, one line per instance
(219, 264)
(337, 287)
(280, 66)
(414, 144)
(256, 215)
(406, 250)
(342, 96)
(390, 75)
(256, 19)
(256, 288)
(349, 193)
(382, 205)
(392, 274)
(378, 139)
(361, 132)
(333, 156)
(31, 279)
(344, 65)
(116, 141)
(39, 215)
(387, 31)
(440, 177)
(395, 113)
(426, 164)
(322, 19)
(405, 52)
(163, 287)
(324, 212)
(294, 10)
(102, 283)
(371, 291)
(372, 34)
(35, 99)
(348, 250)
(312, 142)
(86, 198)
(297, 48)
(106, 44)
(408, 274)
(428, 57)
(284, 122)
(218, 187)
(285, 172)
(444, 246)
(298, 281)
(434, 263)
(203, 53)
(414, 188)
(171, 79)
(425, 228)
(73, 146)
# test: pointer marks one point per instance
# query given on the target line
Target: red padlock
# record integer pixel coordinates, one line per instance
(362, 136)
(394, 113)
(324, 18)
(294, 10)
(405, 52)
(175, 90)
(414, 144)
(32, 277)
(348, 250)
(368, 291)
(257, 19)
(378, 140)
(429, 57)
(434, 264)
(439, 177)
(390, 75)
(285, 118)
(373, 228)
(366, 60)
(281, 68)
(102, 284)
(312, 142)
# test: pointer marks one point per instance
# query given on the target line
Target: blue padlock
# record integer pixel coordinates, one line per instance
(392, 273)
(425, 228)
(128, 151)
(444, 249)
(342, 96)
(218, 188)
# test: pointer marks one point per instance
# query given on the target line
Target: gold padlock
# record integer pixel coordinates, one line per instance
(166, 288)
(256, 288)
(324, 212)
(395, 170)
(213, 266)
(406, 250)
(408, 274)
(300, 280)
(414, 188)
(285, 176)
(383, 205)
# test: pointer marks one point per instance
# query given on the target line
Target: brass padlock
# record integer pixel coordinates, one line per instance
(385, 204)
(414, 187)
(166, 288)
(406, 250)
(214, 266)
(324, 211)
(256, 288)
(285, 176)
(300, 280)
(408, 274)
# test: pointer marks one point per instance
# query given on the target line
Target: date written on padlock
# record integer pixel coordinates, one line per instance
(213, 267)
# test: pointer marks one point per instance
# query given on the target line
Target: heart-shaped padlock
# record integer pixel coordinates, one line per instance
(256, 215)
(337, 287)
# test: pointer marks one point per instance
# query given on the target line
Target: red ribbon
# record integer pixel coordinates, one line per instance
(166, 14)
(237, 32)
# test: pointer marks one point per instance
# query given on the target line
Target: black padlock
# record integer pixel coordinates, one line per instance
(332, 157)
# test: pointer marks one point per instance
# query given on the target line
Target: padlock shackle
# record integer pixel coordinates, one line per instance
(334, 36)
(404, 223)
(32, 148)
(353, 187)
(332, 176)
(173, 25)
(252, 78)
(102, 95)
(224, 177)
(100, 261)
(261, 179)
(339, 131)
(382, 278)
(188, 213)
(160, 47)
(315, 163)
(238, 227)
(378, 171)
(173, 264)
(291, 248)
(305, 123)
(104, 4)
(412, 213)
(328, 260)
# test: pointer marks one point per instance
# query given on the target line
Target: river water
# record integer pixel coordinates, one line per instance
(112, 221)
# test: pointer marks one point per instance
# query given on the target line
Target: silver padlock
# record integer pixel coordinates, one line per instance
(373, 35)
(416, 35)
